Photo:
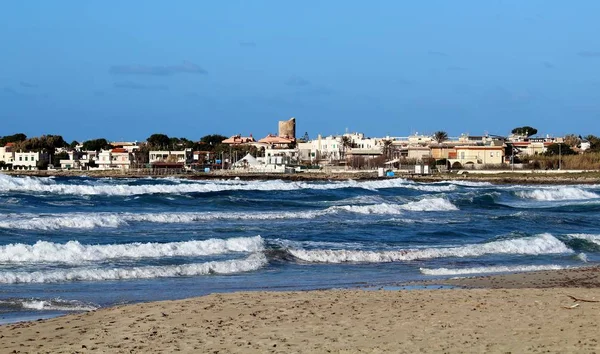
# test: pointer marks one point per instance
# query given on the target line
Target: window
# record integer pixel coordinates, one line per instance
(20, 158)
(25, 158)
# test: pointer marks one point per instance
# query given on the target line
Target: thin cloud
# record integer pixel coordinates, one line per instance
(28, 84)
(137, 86)
(10, 92)
(185, 68)
(589, 54)
(548, 65)
(248, 44)
(297, 81)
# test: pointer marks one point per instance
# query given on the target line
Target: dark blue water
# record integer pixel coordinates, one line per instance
(69, 244)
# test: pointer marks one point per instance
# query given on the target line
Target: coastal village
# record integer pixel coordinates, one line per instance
(285, 152)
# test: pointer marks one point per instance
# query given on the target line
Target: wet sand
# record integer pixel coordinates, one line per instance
(517, 320)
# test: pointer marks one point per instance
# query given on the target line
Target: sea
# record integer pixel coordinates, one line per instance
(70, 244)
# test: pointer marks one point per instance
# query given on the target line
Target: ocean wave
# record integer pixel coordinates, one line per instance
(121, 188)
(587, 237)
(557, 194)
(493, 269)
(536, 245)
(47, 305)
(251, 263)
(74, 252)
(427, 204)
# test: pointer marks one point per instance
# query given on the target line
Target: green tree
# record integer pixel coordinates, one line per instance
(559, 149)
(95, 145)
(525, 131)
(159, 141)
(213, 139)
(440, 136)
(15, 138)
(594, 143)
(73, 144)
(57, 157)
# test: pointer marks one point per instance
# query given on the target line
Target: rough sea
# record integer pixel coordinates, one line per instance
(77, 244)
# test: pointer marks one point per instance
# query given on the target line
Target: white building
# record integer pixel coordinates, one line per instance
(29, 160)
(7, 155)
(171, 156)
(328, 148)
(114, 159)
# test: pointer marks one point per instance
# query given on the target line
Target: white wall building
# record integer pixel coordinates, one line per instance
(328, 148)
(114, 159)
(170, 156)
(29, 160)
(7, 155)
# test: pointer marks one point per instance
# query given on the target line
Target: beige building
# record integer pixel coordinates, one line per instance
(477, 156)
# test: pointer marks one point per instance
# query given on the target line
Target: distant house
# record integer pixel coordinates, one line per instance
(476, 156)
(239, 140)
(276, 141)
(171, 159)
(114, 159)
(7, 156)
(29, 160)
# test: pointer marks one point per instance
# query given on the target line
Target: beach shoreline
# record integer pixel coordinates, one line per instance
(555, 311)
(541, 177)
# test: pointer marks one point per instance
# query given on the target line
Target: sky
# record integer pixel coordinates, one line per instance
(128, 69)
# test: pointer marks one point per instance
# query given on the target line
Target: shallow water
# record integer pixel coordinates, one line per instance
(72, 244)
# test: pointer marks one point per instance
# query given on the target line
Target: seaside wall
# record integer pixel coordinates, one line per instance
(287, 128)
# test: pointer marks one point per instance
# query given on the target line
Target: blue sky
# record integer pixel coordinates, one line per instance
(127, 69)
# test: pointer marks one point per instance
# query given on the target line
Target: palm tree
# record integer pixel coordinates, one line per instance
(387, 148)
(346, 143)
(440, 136)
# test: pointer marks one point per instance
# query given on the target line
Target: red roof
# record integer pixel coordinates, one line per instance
(10, 144)
(118, 150)
(273, 139)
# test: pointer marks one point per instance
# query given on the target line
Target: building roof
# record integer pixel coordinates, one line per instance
(238, 139)
(274, 139)
(118, 150)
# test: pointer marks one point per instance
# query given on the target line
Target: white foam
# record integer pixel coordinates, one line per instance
(427, 204)
(121, 188)
(253, 262)
(541, 244)
(485, 270)
(558, 193)
(49, 305)
(588, 237)
(74, 252)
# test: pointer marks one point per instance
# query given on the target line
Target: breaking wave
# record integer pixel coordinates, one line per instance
(74, 252)
(553, 194)
(541, 244)
(251, 263)
(114, 220)
(591, 238)
(485, 270)
(427, 204)
(46, 305)
(40, 185)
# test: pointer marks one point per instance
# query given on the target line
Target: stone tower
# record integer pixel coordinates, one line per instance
(287, 128)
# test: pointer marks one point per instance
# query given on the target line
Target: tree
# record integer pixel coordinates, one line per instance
(213, 139)
(346, 143)
(525, 131)
(440, 136)
(594, 143)
(559, 149)
(158, 140)
(15, 138)
(95, 145)
(47, 143)
(572, 140)
(387, 148)
(57, 157)
(73, 144)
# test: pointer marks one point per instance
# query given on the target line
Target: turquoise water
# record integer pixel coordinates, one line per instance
(75, 244)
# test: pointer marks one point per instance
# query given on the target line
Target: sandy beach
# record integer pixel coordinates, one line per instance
(531, 315)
